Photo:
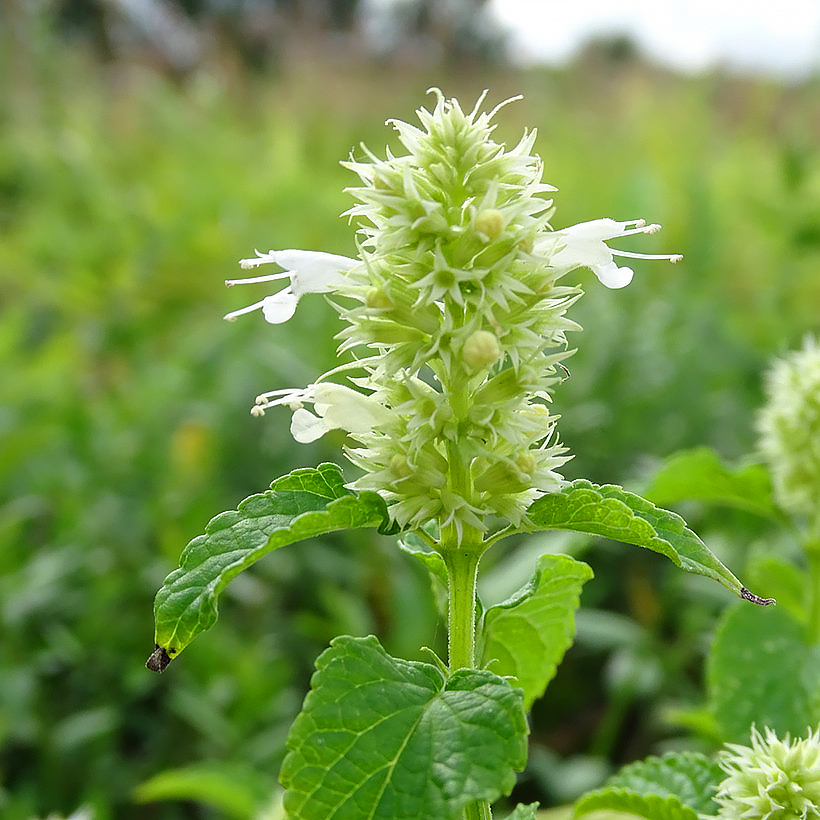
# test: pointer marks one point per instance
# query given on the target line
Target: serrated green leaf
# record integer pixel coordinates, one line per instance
(763, 670)
(236, 791)
(652, 807)
(623, 516)
(385, 738)
(524, 812)
(691, 777)
(526, 636)
(303, 504)
(699, 474)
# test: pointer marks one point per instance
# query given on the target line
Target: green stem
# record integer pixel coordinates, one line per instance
(461, 551)
(462, 573)
(480, 810)
(461, 558)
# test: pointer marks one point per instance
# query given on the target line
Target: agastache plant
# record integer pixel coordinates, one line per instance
(455, 333)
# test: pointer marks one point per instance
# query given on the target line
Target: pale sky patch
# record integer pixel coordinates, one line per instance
(763, 36)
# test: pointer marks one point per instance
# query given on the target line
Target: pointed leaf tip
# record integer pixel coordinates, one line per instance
(306, 503)
(159, 659)
(756, 599)
(611, 511)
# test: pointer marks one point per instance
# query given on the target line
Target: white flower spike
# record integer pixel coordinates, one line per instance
(456, 314)
(308, 272)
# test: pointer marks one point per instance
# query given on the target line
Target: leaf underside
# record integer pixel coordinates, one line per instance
(613, 512)
(303, 504)
(385, 738)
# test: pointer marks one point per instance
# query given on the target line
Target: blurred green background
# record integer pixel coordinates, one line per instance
(130, 184)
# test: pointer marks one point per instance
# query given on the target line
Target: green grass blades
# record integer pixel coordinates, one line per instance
(303, 504)
(382, 737)
(612, 512)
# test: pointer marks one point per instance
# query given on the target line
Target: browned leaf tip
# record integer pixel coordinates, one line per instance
(756, 599)
(159, 660)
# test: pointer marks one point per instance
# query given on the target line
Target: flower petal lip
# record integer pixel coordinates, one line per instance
(305, 427)
(279, 307)
(611, 276)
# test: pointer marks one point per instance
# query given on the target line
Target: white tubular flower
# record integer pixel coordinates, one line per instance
(308, 272)
(337, 408)
(584, 245)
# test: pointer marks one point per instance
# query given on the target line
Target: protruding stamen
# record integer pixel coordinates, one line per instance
(255, 262)
(257, 411)
(253, 279)
(639, 226)
(249, 309)
(671, 257)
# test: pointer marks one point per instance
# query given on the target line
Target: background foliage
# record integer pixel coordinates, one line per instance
(126, 197)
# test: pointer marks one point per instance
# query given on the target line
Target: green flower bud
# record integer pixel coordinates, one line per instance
(526, 463)
(377, 298)
(399, 466)
(490, 222)
(503, 478)
(481, 350)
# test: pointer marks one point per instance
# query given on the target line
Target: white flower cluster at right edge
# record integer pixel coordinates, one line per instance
(456, 314)
(772, 779)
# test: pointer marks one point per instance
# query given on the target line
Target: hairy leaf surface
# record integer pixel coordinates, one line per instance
(527, 635)
(385, 738)
(303, 504)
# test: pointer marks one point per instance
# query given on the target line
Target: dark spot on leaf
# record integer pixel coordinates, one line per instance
(159, 660)
(756, 599)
